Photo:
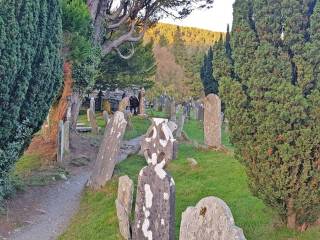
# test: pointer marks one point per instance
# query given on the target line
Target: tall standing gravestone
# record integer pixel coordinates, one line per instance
(210, 219)
(60, 143)
(93, 122)
(155, 202)
(93, 105)
(173, 113)
(212, 121)
(141, 102)
(108, 151)
(181, 120)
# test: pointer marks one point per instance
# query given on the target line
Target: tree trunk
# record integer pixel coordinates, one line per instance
(76, 101)
(291, 217)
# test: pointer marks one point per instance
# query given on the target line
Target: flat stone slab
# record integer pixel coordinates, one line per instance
(84, 129)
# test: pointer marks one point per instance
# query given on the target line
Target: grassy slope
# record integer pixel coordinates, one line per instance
(218, 174)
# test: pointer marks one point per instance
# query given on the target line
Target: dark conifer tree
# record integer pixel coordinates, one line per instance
(210, 85)
(30, 73)
(273, 103)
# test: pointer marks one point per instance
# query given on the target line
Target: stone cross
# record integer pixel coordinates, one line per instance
(141, 102)
(212, 121)
(93, 104)
(124, 205)
(210, 219)
(108, 151)
(155, 202)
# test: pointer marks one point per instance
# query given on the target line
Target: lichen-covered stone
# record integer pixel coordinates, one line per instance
(155, 205)
(93, 122)
(108, 151)
(210, 219)
(124, 205)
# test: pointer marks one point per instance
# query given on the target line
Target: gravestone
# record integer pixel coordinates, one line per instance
(88, 114)
(200, 113)
(173, 113)
(93, 122)
(124, 205)
(156, 104)
(167, 106)
(93, 105)
(60, 143)
(155, 202)
(181, 120)
(173, 127)
(210, 219)
(108, 151)
(66, 129)
(124, 103)
(106, 116)
(141, 102)
(212, 121)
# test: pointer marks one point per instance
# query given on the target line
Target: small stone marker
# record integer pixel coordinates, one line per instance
(124, 205)
(88, 114)
(181, 120)
(124, 103)
(155, 203)
(106, 116)
(66, 129)
(200, 116)
(93, 122)
(212, 121)
(173, 113)
(173, 126)
(210, 219)
(108, 151)
(60, 143)
(141, 102)
(93, 105)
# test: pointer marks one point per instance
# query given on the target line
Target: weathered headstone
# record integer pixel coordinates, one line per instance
(106, 116)
(212, 121)
(93, 105)
(210, 219)
(66, 128)
(167, 106)
(155, 203)
(181, 120)
(173, 113)
(108, 151)
(141, 102)
(200, 113)
(93, 122)
(88, 114)
(124, 205)
(173, 127)
(124, 103)
(60, 143)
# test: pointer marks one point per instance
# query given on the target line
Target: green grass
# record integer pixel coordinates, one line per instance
(27, 164)
(99, 117)
(140, 126)
(217, 174)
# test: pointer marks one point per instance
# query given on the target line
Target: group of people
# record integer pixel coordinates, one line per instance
(133, 103)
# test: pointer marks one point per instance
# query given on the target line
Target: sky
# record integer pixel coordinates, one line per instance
(215, 19)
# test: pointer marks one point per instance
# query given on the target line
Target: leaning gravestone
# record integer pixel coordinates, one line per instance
(210, 219)
(124, 103)
(66, 129)
(212, 121)
(108, 151)
(93, 122)
(155, 202)
(60, 143)
(124, 205)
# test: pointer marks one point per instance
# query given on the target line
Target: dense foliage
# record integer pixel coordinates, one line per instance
(30, 73)
(273, 103)
(116, 72)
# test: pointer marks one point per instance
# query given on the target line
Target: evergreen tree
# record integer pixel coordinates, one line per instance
(30, 73)
(210, 85)
(273, 101)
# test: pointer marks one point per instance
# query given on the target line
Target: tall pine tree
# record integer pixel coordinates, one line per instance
(30, 73)
(273, 101)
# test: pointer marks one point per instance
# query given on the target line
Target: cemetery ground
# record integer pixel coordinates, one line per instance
(217, 174)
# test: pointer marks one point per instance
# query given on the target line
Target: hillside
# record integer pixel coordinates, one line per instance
(179, 52)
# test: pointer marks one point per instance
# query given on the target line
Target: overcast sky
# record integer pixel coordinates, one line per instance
(215, 19)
